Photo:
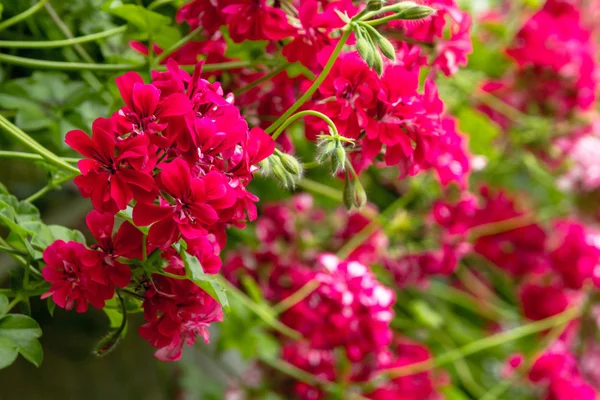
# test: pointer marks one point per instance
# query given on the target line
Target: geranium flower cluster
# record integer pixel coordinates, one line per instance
(391, 122)
(445, 34)
(555, 267)
(177, 158)
(556, 72)
(348, 309)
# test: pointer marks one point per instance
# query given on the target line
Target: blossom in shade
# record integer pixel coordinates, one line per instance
(76, 277)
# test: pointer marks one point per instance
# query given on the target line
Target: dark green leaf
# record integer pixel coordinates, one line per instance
(8, 352)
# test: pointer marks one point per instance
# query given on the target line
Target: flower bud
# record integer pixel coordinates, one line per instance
(291, 164)
(266, 166)
(284, 176)
(364, 47)
(338, 159)
(374, 5)
(387, 48)
(416, 12)
(354, 193)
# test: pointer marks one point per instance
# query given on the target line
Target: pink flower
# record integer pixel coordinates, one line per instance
(205, 13)
(76, 276)
(255, 20)
(113, 172)
(313, 35)
(187, 211)
(126, 243)
(177, 311)
(573, 253)
(541, 302)
(146, 109)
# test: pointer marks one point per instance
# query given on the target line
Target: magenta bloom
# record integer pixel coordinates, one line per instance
(187, 211)
(146, 109)
(177, 311)
(255, 20)
(76, 276)
(113, 172)
(126, 243)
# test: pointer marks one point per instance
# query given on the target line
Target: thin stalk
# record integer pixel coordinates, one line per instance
(484, 344)
(215, 67)
(319, 188)
(49, 44)
(497, 227)
(89, 77)
(66, 66)
(265, 78)
(176, 46)
(306, 113)
(29, 142)
(51, 185)
(316, 83)
(359, 238)
(10, 250)
(296, 297)
(260, 310)
(24, 15)
(159, 3)
(32, 157)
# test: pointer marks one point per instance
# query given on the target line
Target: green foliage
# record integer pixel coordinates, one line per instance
(18, 335)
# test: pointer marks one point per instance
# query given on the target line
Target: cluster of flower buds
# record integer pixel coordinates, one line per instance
(177, 158)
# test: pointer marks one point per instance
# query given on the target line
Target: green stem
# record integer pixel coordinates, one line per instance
(89, 77)
(484, 344)
(10, 250)
(24, 15)
(265, 78)
(319, 188)
(215, 67)
(264, 313)
(51, 185)
(67, 66)
(29, 142)
(301, 114)
(13, 303)
(177, 45)
(296, 297)
(158, 3)
(49, 44)
(32, 157)
(359, 238)
(317, 82)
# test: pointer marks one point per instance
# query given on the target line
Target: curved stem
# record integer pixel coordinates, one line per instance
(25, 14)
(66, 66)
(51, 185)
(259, 309)
(319, 188)
(315, 85)
(26, 140)
(265, 78)
(484, 344)
(296, 297)
(48, 44)
(176, 45)
(301, 114)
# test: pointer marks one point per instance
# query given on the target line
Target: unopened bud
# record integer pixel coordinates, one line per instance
(416, 12)
(387, 48)
(338, 159)
(291, 164)
(354, 193)
(364, 47)
(266, 167)
(374, 5)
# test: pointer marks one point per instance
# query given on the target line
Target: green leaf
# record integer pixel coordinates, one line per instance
(151, 25)
(23, 331)
(425, 314)
(208, 283)
(481, 131)
(19, 328)
(8, 352)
